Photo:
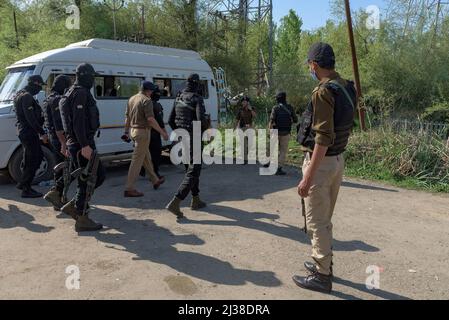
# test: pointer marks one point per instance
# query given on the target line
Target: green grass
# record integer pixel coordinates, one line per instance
(411, 161)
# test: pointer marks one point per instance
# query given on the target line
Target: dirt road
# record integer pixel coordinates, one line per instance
(246, 245)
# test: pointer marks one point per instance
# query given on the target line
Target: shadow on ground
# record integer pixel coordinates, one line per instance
(153, 243)
(15, 218)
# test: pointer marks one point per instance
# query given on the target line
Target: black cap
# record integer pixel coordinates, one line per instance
(194, 77)
(148, 85)
(36, 78)
(245, 98)
(323, 54)
(85, 69)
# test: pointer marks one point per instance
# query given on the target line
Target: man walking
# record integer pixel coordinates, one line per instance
(81, 120)
(53, 124)
(189, 108)
(140, 119)
(324, 133)
(31, 133)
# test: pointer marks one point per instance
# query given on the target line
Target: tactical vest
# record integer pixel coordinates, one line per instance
(284, 118)
(185, 105)
(66, 108)
(47, 107)
(22, 122)
(344, 109)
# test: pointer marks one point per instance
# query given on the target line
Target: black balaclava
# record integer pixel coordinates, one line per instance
(33, 88)
(281, 97)
(193, 83)
(61, 84)
(156, 96)
(85, 75)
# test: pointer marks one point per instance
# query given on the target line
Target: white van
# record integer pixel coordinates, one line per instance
(122, 66)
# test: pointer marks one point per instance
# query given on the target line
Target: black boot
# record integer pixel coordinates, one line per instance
(174, 207)
(30, 193)
(311, 267)
(55, 198)
(315, 282)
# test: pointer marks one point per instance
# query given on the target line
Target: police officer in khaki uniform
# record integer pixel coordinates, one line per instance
(245, 120)
(324, 133)
(140, 119)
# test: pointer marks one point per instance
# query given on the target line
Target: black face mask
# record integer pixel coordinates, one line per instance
(87, 80)
(193, 87)
(156, 97)
(33, 88)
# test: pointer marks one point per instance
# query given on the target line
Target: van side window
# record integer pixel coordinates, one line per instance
(115, 87)
(171, 87)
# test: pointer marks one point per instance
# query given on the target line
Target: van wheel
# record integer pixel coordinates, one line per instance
(44, 173)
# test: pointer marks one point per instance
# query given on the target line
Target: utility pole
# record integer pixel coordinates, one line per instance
(15, 28)
(355, 64)
(114, 8)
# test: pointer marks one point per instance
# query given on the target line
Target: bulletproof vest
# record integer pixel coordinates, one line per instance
(50, 104)
(185, 105)
(343, 119)
(22, 123)
(283, 118)
(66, 107)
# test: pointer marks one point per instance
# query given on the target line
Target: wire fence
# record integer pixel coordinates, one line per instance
(418, 127)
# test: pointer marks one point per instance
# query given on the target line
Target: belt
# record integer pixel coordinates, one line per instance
(140, 127)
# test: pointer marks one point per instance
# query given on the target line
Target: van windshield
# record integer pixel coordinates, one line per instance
(15, 80)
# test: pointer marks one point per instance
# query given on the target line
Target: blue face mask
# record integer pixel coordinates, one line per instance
(314, 76)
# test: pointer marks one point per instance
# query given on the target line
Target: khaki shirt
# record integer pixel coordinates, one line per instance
(139, 109)
(323, 111)
(245, 117)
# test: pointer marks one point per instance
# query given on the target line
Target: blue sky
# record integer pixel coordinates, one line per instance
(315, 13)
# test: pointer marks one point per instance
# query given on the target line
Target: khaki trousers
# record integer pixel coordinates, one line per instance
(320, 207)
(283, 149)
(141, 157)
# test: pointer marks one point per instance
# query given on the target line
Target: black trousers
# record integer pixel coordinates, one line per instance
(56, 150)
(32, 157)
(191, 182)
(156, 151)
(75, 154)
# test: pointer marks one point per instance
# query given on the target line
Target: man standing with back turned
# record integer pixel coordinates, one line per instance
(325, 129)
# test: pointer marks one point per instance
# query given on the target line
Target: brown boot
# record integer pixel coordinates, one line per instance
(160, 182)
(55, 198)
(84, 224)
(133, 194)
(71, 210)
(197, 204)
(174, 208)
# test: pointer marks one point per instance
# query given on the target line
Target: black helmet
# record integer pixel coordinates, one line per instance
(61, 83)
(85, 69)
(281, 96)
(194, 77)
(36, 78)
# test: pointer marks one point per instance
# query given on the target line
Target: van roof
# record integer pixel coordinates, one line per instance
(109, 52)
